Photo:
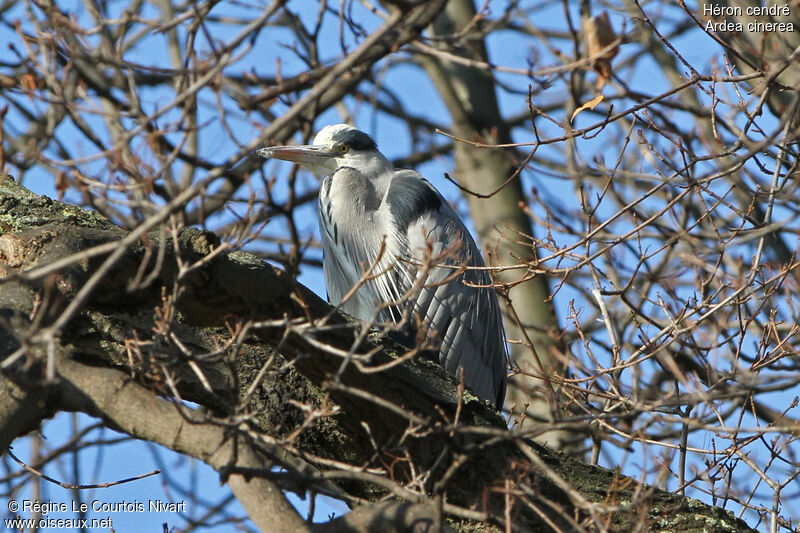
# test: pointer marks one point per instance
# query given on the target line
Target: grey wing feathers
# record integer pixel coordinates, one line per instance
(463, 310)
(410, 223)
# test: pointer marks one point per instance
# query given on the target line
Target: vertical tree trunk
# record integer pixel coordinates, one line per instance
(470, 97)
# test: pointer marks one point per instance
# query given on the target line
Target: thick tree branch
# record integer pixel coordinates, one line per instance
(410, 405)
(128, 407)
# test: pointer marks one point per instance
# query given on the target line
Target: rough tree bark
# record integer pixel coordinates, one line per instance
(108, 362)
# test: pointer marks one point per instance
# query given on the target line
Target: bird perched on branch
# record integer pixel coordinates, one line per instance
(396, 252)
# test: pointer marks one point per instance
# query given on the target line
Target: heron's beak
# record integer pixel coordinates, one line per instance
(313, 157)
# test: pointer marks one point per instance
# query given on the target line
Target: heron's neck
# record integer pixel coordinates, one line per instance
(375, 168)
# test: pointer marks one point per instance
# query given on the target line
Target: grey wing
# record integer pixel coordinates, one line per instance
(462, 310)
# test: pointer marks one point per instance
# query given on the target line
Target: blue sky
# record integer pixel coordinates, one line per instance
(125, 459)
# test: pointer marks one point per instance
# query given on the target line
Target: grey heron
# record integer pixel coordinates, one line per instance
(395, 221)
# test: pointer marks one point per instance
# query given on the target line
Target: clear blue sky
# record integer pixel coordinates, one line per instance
(184, 477)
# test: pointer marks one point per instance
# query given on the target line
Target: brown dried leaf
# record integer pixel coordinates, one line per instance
(598, 34)
(28, 82)
(591, 104)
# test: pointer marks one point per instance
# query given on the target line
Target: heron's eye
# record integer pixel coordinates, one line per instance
(343, 148)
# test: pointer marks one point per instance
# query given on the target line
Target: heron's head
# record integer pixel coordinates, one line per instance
(337, 145)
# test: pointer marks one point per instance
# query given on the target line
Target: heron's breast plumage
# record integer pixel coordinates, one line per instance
(357, 238)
